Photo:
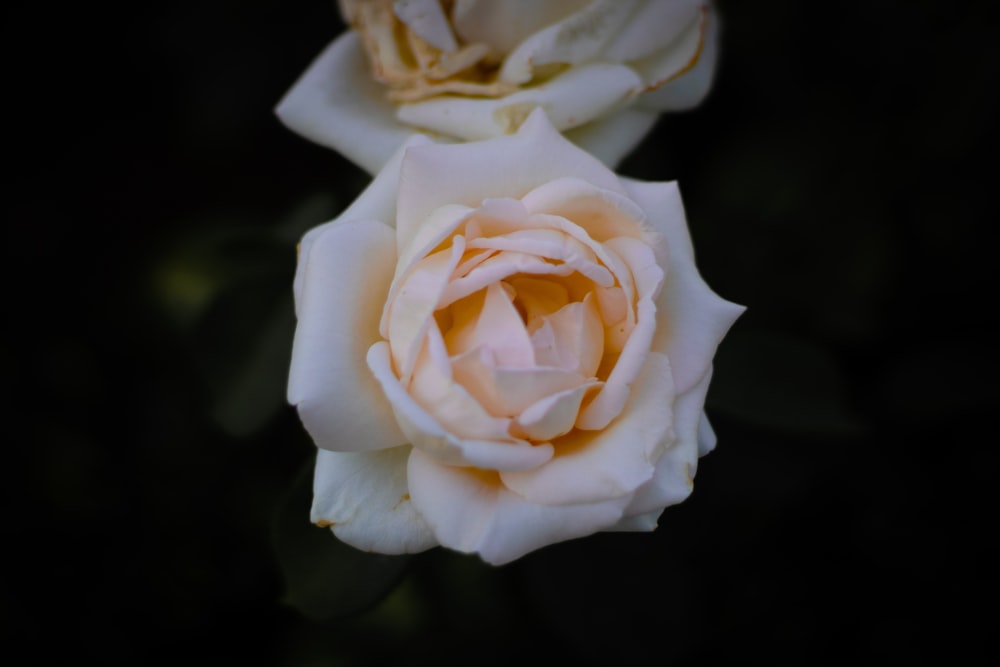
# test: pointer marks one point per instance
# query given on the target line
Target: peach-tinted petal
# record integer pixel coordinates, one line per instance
(507, 166)
(409, 314)
(426, 434)
(538, 297)
(553, 245)
(602, 213)
(572, 98)
(364, 498)
(471, 511)
(494, 323)
(337, 104)
(647, 278)
(610, 463)
(518, 388)
(345, 278)
(554, 415)
(451, 405)
(577, 343)
(497, 268)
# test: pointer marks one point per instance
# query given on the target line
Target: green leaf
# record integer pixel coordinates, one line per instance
(326, 579)
(781, 382)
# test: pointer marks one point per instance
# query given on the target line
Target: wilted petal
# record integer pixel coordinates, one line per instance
(344, 283)
(689, 88)
(572, 98)
(654, 26)
(365, 499)
(613, 462)
(471, 511)
(337, 104)
(576, 39)
(426, 18)
(504, 25)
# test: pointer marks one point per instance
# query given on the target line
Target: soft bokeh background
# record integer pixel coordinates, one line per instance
(837, 181)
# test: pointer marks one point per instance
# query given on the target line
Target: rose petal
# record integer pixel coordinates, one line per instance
(343, 284)
(554, 415)
(538, 297)
(426, 434)
(640, 523)
(376, 202)
(553, 245)
(493, 169)
(470, 511)
(495, 269)
(576, 39)
(364, 498)
(654, 26)
(674, 60)
(613, 136)
(491, 321)
(504, 25)
(647, 276)
(689, 88)
(693, 318)
(426, 18)
(577, 338)
(337, 104)
(610, 463)
(674, 477)
(706, 436)
(449, 402)
(410, 310)
(572, 98)
(603, 214)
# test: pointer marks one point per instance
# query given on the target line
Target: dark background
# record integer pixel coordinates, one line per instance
(837, 182)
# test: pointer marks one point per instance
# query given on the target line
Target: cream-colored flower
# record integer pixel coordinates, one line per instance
(464, 70)
(501, 345)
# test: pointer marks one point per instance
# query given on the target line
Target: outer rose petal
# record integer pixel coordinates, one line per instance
(692, 318)
(653, 26)
(504, 25)
(471, 511)
(610, 463)
(611, 138)
(364, 497)
(345, 281)
(337, 104)
(674, 477)
(494, 169)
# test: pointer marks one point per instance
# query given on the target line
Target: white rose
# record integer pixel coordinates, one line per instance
(466, 70)
(501, 345)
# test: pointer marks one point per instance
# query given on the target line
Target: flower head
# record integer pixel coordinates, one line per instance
(502, 345)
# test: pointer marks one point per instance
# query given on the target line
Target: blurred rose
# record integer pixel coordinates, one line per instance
(472, 69)
(501, 345)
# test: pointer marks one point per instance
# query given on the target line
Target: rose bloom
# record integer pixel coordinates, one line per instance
(501, 345)
(465, 70)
